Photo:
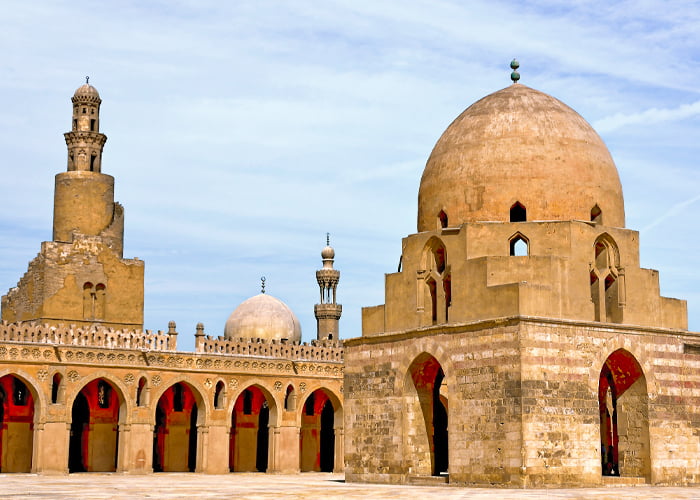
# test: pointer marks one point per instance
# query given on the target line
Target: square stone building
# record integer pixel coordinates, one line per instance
(521, 344)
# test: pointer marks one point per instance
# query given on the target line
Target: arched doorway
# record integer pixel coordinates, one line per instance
(94, 435)
(17, 431)
(249, 438)
(425, 400)
(175, 431)
(624, 417)
(317, 436)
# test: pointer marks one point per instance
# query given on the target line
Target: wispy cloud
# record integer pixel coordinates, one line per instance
(647, 117)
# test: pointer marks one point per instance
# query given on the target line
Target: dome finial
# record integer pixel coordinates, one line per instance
(328, 239)
(87, 80)
(514, 65)
(262, 284)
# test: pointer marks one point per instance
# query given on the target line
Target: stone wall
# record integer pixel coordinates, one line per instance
(523, 403)
(141, 367)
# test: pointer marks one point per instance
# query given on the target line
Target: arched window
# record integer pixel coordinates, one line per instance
(140, 396)
(442, 218)
(88, 301)
(519, 245)
(219, 395)
(596, 215)
(55, 386)
(518, 212)
(100, 300)
(290, 399)
(607, 281)
(434, 295)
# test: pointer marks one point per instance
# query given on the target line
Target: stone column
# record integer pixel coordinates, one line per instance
(339, 458)
(202, 448)
(217, 451)
(286, 448)
(50, 448)
(123, 447)
(136, 455)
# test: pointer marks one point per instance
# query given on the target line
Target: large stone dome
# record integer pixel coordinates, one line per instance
(263, 317)
(519, 145)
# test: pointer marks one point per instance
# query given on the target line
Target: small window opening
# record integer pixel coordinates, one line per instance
(92, 162)
(84, 110)
(596, 215)
(601, 256)
(92, 124)
(432, 287)
(447, 286)
(442, 216)
(440, 259)
(139, 392)
(178, 397)
(19, 392)
(290, 399)
(518, 213)
(609, 280)
(247, 402)
(55, 385)
(104, 392)
(518, 247)
(309, 406)
(219, 395)
(92, 111)
(75, 124)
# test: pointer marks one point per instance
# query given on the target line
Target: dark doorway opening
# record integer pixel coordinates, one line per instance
(327, 452)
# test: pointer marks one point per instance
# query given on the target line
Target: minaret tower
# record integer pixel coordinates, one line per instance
(328, 311)
(81, 277)
(84, 196)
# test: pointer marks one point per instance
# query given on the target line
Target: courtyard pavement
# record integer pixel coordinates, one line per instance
(167, 486)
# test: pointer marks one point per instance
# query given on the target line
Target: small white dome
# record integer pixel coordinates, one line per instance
(263, 317)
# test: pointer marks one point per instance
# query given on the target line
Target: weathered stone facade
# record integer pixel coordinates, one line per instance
(57, 365)
(81, 276)
(83, 388)
(521, 344)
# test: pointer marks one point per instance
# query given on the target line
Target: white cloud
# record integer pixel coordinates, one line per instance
(650, 116)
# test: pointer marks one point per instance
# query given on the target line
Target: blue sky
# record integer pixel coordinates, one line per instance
(241, 132)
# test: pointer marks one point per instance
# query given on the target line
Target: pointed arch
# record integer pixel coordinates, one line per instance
(434, 296)
(519, 245)
(596, 214)
(180, 412)
(607, 281)
(424, 399)
(220, 395)
(623, 403)
(518, 213)
(254, 412)
(96, 410)
(18, 416)
(290, 399)
(442, 219)
(321, 445)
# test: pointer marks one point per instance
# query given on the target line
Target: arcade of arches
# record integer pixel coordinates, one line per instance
(76, 418)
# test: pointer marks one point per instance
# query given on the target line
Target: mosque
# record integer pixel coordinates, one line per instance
(520, 344)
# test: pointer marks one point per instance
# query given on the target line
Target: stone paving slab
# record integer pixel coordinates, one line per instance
(97, 486)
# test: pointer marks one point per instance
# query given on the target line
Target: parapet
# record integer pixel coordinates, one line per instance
(317, 350)
(89, 336)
